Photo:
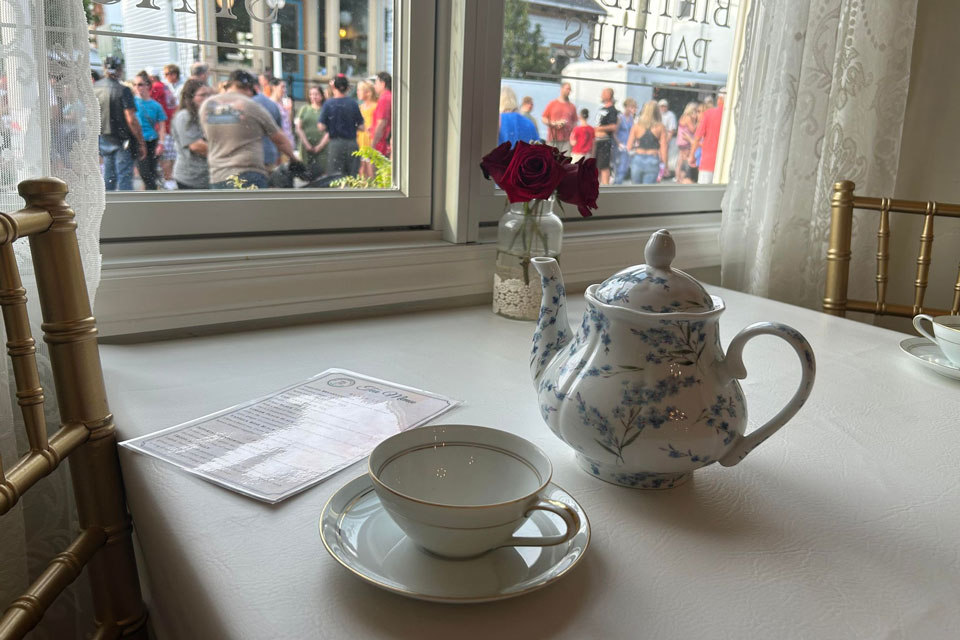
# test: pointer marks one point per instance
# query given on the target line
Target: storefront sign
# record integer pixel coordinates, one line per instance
(265, 11)
(649, 48)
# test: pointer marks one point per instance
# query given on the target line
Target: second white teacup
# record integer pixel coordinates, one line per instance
(461, 490)
(946, 334)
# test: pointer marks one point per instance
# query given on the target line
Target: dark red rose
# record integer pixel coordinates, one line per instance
(580, 185)
(533, 173)
(494, 164)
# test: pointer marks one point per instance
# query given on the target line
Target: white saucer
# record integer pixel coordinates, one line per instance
(360, 535)
(929, 355)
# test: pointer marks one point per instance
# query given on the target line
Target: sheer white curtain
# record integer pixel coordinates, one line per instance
(49, 122)
(823, 92)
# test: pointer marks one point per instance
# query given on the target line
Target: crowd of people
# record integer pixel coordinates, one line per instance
(182, 133)
(641, 144)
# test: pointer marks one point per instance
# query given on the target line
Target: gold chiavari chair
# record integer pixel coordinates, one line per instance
(843, 202)
(86, 433)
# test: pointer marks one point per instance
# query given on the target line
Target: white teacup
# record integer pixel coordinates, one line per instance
(460, 490)
(946, 334)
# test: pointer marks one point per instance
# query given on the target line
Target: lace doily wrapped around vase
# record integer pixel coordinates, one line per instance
(513, 298)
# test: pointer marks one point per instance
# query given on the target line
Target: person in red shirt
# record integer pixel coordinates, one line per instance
(707, 139)
(560, 116)
(160, 93)
(581, 138)
(383, 114)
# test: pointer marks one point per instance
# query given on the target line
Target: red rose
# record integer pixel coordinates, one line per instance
(533, 173)
(494, 164)
(580, 185)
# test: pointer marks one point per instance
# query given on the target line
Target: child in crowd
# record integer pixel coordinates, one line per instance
(581, 138)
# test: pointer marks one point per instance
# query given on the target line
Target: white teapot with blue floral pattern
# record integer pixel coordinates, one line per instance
(642, 391)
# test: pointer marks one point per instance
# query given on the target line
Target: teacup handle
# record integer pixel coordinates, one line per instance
(732, 367)
(570, 517)
(916, 325)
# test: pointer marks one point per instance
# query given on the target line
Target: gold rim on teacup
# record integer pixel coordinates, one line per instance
(475, 510)
(375, 474)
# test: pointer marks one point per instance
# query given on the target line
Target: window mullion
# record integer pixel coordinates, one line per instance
(473, 37)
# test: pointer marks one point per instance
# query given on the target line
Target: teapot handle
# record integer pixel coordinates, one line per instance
(732, 367)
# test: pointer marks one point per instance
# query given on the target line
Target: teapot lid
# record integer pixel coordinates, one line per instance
(655, 287)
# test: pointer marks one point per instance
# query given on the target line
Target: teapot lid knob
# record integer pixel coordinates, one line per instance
(660, 250)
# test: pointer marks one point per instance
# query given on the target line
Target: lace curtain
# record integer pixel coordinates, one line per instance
(823, 93)
(49, 122)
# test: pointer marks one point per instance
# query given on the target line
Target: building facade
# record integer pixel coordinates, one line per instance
(305, 29)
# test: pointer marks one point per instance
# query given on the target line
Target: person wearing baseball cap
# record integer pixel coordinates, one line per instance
(121, 138)
(234, 126)
(668, 117)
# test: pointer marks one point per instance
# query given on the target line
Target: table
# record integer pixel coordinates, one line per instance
(845, 524)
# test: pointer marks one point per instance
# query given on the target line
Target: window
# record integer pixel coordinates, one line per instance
(652, 68)
(641, 49)
(274, 40)
(295, 48)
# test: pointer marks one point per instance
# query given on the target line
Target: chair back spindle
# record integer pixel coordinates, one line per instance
(883, 254)
(924, 258)
(955, 308)
(22, 350)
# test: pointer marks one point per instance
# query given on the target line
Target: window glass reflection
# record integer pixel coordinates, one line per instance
(262, 110)
(638, 85)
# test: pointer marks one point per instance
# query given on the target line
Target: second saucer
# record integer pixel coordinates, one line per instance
(929, 355)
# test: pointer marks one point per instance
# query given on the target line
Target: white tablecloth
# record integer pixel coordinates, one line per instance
(845, 524)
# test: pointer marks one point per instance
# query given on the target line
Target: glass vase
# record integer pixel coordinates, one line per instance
(526, 230)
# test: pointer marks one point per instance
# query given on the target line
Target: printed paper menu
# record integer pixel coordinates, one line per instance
(274, 447)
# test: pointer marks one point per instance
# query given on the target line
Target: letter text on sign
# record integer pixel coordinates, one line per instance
(702, 53)
(665, 50)
(270, 17)
(185, 8)
(726, 14)
(573, 51)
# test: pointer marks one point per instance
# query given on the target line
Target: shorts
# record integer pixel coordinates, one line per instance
(602, 149)
(169, 148)
(340, 158)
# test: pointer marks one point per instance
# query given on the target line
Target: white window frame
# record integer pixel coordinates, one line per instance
(151, 215)
(237, 273)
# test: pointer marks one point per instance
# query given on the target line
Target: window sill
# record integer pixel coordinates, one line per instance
(160, 286)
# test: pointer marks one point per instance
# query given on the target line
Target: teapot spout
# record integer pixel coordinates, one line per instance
(553, 328)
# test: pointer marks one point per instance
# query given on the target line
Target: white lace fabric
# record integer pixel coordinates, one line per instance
(49, 124)
(822, 98)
